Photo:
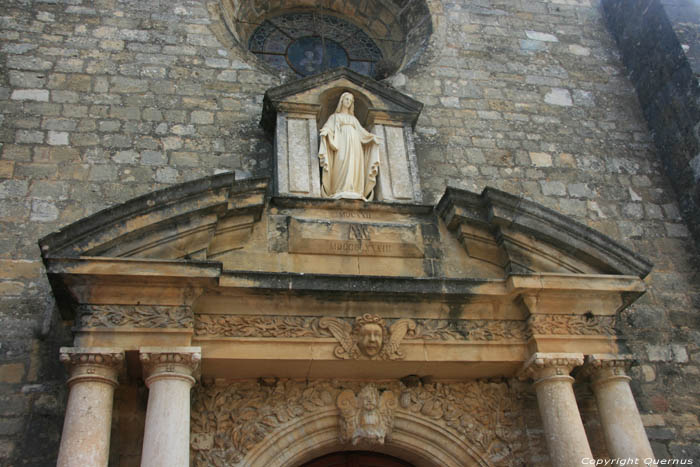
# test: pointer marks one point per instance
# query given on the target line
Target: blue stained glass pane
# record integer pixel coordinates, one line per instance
(310, 55)
(364, 68)
(309, 43)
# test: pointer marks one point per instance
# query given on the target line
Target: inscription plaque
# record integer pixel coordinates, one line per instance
(326, 237)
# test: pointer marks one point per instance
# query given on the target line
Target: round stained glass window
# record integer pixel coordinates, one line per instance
(309, 43)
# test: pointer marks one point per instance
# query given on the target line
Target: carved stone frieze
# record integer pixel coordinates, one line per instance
(472, 330)
(577, 325)
(139, 316)
(258, 326)
(294, 326)
(368, 417)
(229, 420)
(369, 337)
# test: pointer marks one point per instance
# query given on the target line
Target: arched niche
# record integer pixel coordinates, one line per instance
(329, 101)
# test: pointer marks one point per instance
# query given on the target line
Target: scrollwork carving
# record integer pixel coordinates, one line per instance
(473, 330)
(139, 316)
(258, 326)
(577, 325)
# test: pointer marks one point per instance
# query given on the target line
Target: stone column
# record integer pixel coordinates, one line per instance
(88, 420)
(169, 373)
(622, 425)
(563, 428)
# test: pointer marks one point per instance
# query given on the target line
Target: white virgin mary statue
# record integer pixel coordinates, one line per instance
(349, 155)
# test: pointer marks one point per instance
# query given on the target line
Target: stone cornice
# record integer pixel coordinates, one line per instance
(499, 213)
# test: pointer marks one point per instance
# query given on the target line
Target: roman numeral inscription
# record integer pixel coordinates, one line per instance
(331, 237)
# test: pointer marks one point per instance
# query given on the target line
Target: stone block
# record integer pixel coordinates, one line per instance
(541, 159)
(10, 426)
(57, 138)
(553, 188)
(11, 372)
(559, 96)
(29, 136)
(43, 211)
(13, 189)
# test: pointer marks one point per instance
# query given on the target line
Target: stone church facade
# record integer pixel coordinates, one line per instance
(521, 290)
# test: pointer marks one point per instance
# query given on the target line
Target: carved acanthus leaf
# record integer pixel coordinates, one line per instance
(139, 316)
(240, 415)
(229, 420)
(487, 415)
(577, 325)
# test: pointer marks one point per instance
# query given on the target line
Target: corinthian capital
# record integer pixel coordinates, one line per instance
(601, 367)
(543, 365)
(92, 363)
(164, 361)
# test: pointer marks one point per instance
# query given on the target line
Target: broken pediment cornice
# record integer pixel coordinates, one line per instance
(522, 235)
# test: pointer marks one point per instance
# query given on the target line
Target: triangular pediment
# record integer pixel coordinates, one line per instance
(318, 95)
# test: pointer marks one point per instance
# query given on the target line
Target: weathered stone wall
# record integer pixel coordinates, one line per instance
(104, 100)
(659, 43)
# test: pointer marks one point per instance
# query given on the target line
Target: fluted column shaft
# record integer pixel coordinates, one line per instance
(88, 420)
(622, 425)
(563, 428)
(169, 374)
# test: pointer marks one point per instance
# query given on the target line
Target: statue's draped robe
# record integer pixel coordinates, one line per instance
(349, 158)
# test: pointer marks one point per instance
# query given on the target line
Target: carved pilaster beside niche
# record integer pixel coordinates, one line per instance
(231, 419)
(138, 316)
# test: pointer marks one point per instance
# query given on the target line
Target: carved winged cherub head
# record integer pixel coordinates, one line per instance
(369, 332)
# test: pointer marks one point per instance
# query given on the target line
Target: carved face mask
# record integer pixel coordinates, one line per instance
(370, 339)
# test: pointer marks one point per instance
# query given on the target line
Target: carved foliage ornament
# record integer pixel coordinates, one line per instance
(139, 316)
(369, 337)
(578, 325)
(367, 418)
(228, 420)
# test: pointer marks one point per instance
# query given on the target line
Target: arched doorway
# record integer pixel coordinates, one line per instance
(357, 459)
